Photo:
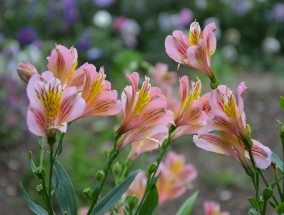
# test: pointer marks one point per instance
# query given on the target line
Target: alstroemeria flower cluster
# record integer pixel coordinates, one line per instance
(196, 49)
(228, 118)
(176, 177)
(64, 93)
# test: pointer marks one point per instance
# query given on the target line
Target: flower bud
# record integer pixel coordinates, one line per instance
(25, 70)
(40, 173)
(39, 189)
(248, 130)
(116, 169)
(99, 175)
(87, 193)
(267, 193)
(152, 168)
(132, 201)
(195, 33)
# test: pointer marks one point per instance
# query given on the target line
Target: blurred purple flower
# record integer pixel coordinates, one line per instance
(186, 17)
(27, 35)
(241, 7)
(84, 43)
(104, 3)
(94, 53)
(130, 41)
(71, 13)
(278, 12)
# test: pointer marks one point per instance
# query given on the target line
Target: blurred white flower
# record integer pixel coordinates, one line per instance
(201, 4)
(232, 36)
(229, 53)
(102, 19)
(271, 45)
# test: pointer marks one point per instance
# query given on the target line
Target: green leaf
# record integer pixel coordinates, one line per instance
(113, 196)
(282, 102)
(34, 207)
(278, 161)
(151, 202)
(64, 191)
(254, 203)
(187, 206)
(280, 208)
(31, 162)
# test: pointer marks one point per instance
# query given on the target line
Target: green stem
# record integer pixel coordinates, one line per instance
(264, 208)
(158, 162)
(50, 141)
(113, 155)
(45, 194)
(277, 182)
(59, 146)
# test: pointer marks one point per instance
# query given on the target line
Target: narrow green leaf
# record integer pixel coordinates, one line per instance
(64, 191)
(34, 207)
(282, 102)
(187, 206)
(113, 196)
(31, 162)
(151, 202)
(280, 208)
(278, 161)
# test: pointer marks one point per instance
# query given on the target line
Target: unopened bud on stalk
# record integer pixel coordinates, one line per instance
(116, 169)
(99, 175)
(39, 189)
(248, 130)
(40, 173)
(87, 193)
(26, 71)
(152, 168)
(267, 193)
(132, 201)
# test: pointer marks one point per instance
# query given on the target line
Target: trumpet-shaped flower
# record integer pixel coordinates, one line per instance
(189, 116)
(62, 62)
(96, 91)
(175, 177)
(51, 107)
(162, 76)
(194, 51)
(230, 145)
(227, 114)
(213, 208)
(145, 111)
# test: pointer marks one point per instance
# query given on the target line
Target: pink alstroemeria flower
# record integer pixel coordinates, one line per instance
(162, 76)
(145, 112)
(62, 62)
(194, 51)
(51, 107)
(213, 208)
(96, 91)
(227, 114)
(175, 177)
(232, 146)
(189, 116)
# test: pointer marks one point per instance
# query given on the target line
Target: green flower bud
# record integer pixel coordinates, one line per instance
(39, 189)
(267, 193)
(116, 169)
(99, 175)
(40, 173)
(87, 193)
(152, 168)
(132, 201)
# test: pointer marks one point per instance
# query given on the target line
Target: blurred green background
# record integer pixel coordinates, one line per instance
(128, 35)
